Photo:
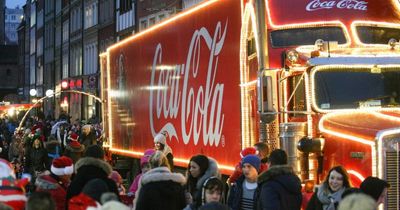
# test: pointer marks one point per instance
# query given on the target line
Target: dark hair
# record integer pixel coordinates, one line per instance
(342, 171)
(261, 147)
(278, 157)
(203, 163)
(373, 186)
(211, 183)
(94, 151)
(40, 201)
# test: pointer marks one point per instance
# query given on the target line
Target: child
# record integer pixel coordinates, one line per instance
(144, 167)
(118, 180)
(211, 192)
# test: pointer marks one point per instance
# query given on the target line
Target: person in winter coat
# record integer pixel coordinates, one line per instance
(211, 191)
(57, 181)
(88, 136)
(36, 159)
(53, 149)
(159, 188)
(144, 167)
(90, 167)
(242, 192)
(90, 195)
(160, 144)
(278, 187)
(74, 149)
(328, 195)
(199, 169)
(238, 168)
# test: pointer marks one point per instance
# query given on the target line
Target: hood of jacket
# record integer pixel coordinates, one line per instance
(89, 161)
(162, 174)
(212, 170)
(283, 174)
(46, 182)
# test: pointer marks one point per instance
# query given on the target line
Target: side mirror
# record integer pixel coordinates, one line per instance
(265, 103)
(309, 145)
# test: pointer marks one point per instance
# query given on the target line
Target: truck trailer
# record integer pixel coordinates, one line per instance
(317, 78)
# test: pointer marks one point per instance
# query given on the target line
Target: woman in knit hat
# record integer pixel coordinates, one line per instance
(160, 144)
(199, 169)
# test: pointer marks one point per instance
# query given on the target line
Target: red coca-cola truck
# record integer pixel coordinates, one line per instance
(320, 79)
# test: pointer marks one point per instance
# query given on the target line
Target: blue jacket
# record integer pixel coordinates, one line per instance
(235, 194)
(279, 189)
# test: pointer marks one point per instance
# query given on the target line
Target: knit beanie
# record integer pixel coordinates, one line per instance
(202, 161)
(95, 188)
(146, 156)
(253, 160)
(373, 187)
(94, 151)
(160, 138)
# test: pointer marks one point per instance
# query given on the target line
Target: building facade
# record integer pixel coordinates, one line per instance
(12, 20)
(63, 39)
(2, 15)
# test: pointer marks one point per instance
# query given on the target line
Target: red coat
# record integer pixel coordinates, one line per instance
(57, 189)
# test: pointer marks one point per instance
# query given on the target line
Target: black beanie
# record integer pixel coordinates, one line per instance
(373, 187)
(95, 188)
(94, 151)
(202, 161)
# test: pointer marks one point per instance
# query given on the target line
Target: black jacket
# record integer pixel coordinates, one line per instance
(161, 189)
(236, 193)
(89, 168)
(278, 189)
(36, 160)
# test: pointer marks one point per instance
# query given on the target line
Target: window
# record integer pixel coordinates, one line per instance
(8, 72)
(65, 61)
(306, 36)
(33, 14)
(65, 35)
(58, 36)
(32, 68)
(377, 35)
(143, 24)
(124, 6)
(40, 46)
(32, 41)
(296, 94)
(13, 17)
(58, 6)
(90, 15)
(40, 19)
(152, 21)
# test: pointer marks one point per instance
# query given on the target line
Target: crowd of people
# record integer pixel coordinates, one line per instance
(61, 165)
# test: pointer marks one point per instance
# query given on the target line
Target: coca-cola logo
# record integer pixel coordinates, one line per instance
(200, 107)
(342, 4)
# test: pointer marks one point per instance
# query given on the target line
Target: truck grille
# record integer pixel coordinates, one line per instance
(393, 177)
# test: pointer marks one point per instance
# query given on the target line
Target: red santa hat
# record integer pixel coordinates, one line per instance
(6, 169)
(11, 190)
(73, 137)
(248, 151)
(62, 166)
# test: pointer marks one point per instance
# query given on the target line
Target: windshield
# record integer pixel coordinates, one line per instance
(306, 36)
(377, 35)
(349, 88)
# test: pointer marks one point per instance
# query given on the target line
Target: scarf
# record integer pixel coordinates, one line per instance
(327, 198)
